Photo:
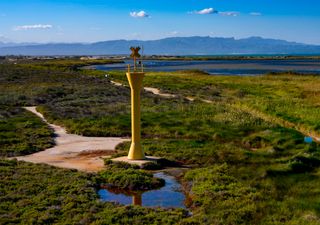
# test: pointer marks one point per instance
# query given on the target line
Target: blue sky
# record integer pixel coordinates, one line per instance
(98, 20)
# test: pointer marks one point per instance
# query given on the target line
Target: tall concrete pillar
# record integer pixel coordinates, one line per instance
(135, 80)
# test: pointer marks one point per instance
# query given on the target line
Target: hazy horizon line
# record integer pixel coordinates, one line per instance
(155, 39)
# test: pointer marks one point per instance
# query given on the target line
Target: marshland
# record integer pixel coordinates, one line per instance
(238, 143)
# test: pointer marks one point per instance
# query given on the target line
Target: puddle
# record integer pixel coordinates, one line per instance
(308, 140)
(168, 196)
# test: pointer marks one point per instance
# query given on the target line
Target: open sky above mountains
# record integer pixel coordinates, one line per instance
(97, 20)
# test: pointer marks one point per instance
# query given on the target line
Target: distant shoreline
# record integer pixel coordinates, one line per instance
(233, 57)
(117, 58)
(226, 66)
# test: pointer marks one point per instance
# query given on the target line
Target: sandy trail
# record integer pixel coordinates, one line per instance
(154, 91)
(74, 151)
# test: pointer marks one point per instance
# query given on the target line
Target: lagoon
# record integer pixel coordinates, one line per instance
(244, 67)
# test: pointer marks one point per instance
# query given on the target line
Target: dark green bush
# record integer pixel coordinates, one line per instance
(151, 166)
(128, 177)
(303, 164)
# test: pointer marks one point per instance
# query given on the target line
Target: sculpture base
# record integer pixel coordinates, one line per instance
(136, 152)
(140, 163)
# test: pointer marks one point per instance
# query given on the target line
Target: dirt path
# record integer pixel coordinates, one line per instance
(74, 151)
(154, 91)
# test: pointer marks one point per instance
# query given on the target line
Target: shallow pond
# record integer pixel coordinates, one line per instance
(168, 196)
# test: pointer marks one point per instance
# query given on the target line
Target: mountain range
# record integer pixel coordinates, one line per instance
(168, 46)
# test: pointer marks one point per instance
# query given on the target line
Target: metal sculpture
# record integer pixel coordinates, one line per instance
(135, 54)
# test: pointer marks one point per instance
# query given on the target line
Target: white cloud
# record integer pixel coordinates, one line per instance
(256, 14)
(214, 11)
(173, 33)
(141, 14)
(205, 11)
(33, 27)
(231, 13)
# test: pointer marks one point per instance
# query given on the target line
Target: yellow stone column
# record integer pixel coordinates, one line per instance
(135, 80)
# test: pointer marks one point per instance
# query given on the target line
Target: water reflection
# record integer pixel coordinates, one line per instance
(168, 196)
(137, 199)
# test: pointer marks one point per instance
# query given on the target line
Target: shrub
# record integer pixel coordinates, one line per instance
(302, 164)
(129, 177)
(151, 166)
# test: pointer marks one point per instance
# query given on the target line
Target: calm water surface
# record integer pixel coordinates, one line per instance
(168, 196)
(225, 67)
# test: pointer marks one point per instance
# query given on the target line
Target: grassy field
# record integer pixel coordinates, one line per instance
(288, 99)
(249, 162)
(22, 133)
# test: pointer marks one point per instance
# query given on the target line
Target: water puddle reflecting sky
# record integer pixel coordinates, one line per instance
(168, 196)
(308, 140)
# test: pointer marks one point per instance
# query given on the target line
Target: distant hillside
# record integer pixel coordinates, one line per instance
(167, 46)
